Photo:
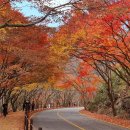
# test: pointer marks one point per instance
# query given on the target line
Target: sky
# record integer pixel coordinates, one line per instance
(27, 9)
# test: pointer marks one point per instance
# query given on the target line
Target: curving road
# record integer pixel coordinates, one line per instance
(69, 119)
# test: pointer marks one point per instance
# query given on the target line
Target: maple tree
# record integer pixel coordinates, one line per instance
(101, 39)
(101, 36)
(25, 58)
(80, 78)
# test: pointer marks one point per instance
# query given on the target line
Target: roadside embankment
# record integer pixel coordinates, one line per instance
(108, 119)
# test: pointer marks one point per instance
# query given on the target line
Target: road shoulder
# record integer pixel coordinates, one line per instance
(13, 121)
(104, 118)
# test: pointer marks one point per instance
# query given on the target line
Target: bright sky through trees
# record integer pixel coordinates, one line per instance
(25, 8)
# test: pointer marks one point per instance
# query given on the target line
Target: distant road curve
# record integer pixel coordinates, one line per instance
(69, 119)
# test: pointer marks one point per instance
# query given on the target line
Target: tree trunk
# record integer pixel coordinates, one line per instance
(110, 95)
(14, 108)
(113, 108)
(85, 103)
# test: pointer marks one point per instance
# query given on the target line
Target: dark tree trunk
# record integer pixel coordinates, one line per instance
(111, 98)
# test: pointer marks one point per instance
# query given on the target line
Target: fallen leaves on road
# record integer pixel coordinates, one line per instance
(112, 120)
(13, 121)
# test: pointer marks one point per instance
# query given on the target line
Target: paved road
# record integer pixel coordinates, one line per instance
(69, 119)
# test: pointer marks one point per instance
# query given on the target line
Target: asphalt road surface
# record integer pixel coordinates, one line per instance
(69, 119)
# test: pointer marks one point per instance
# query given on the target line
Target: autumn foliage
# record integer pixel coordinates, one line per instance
(101, 39)
(95, 34)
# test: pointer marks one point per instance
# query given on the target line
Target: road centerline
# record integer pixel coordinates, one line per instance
(69, 122)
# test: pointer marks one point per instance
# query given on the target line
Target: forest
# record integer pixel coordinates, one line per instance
(85, 61)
